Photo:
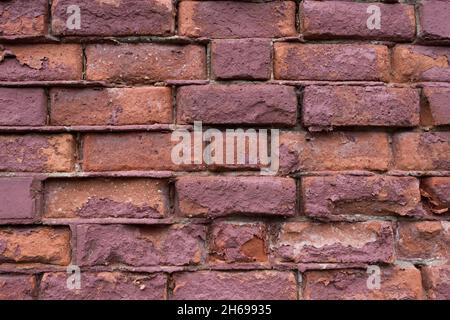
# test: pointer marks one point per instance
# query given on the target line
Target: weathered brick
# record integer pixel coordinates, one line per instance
(103, 198)
(17, 287)
(115, 18)
(220, 196)
(300, 151)
(436, 280)
(437, 104)
(145, 62)
(335, 106)
(229, 19)
(23, 18)
(35, 245)
(19, 198)
(434, 22)
(237, 104)
(396, 283)
(331, 196)
(437, 192)
(331, 19)
(241, 59)
(423, 240)
(105, 286)
(44, 62)
(138, 245)
(419, 63)
(238, 242)
(369, 242)
(110, 106)
(295, 61)
(422, 151)
(253, 285)
(22, 107)
(37, 153)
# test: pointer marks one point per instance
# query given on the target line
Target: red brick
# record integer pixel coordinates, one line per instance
(111, 106)
(23, 18)
(434, 22)
(396, 283)
(105, 286)
(237, 104)
(19, 198)
(423, 240)
(37, 153)
(417, 63)
(17, 287)
(295, 61)
(116, 18)
(436, 281)
(103, 198)
(336, 106)
(241, 59)
(145, 62)
(220, 196)
(229, 19)
(22, 107)
(253, 285)
(238, 242)
(140, 245)
(422, 151)
(368, 242)
(331, 19)
(334, 196)
(437, 105)
(35, 245)
(300, 151)
(436, 191)
(43, 62)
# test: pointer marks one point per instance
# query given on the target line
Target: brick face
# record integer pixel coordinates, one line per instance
(434, 20)
(27, 107)
(17, 287)
(20, 198)
(23, 18)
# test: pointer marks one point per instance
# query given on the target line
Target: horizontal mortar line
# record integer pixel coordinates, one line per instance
(96, 128)
(143, 221)
(94, 83)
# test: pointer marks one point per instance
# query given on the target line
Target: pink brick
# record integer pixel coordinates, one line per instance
(22, 107)
(20, 198)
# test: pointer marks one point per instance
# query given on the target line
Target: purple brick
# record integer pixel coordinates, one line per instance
(22, 107)
(17, 287)
(434, 20)
(438, 103)
(20, 198)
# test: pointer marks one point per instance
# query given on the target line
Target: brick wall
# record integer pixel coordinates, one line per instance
(86, 176)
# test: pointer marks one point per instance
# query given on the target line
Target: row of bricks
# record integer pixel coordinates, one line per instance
(326, 197)
(152, 151)
(225, 243)
(226, 19)
(243, 104)
(151, 62)
(399, 282)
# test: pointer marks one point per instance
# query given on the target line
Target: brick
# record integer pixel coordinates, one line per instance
(238, 243)
(43, 62)
(115, 18)
(104, 286)
(334, 196)
(295, 61)
(300, 151)
(248, 59)
(436, 191)
(418, 63)
(221, 196)
(37, 153)
(45, 245)
(422, 151)
(138, 245)
(253, 285)
(368, 242)
(17, 287)
(104, 198)
(228, 19)
(111, 106)
(20, 18)
(396, 283)
(331, 19)
(22, 107)
(433, 17)
(337, 106)
(145, 62)
(437, 103)
(423, 240)
(237, 104)
(436, 281)
(20, 198)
